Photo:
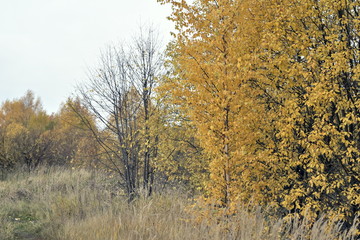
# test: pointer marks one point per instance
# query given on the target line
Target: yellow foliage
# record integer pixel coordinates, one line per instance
(212, 58)
(272, 89)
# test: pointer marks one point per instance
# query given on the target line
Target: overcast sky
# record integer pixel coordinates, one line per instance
(48, 45)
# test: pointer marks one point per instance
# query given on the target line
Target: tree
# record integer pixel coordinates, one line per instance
(146, 64)
(75, 144)
(310, 65)
(119, 96)
(272, 87)
(26, 137)
(212, 90)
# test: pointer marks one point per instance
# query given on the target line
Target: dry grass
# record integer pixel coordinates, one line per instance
(64, 204)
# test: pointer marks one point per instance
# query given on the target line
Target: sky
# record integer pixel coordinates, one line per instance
(47, 46)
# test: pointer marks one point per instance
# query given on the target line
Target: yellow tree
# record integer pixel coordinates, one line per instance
(75, 143)
(272, 89)
(212, 56)
(25, 132)
(310, 80)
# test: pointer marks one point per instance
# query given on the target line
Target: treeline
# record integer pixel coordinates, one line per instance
(29, 137)
(252, 101)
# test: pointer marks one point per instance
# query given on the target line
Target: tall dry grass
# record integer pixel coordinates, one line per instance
(79, 204)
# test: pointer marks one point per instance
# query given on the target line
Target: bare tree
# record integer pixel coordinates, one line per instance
(145, 64)
(119, 94)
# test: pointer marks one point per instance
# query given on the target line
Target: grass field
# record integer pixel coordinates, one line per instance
(68, 204)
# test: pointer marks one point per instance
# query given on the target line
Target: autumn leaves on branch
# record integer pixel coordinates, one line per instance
(271, 88)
